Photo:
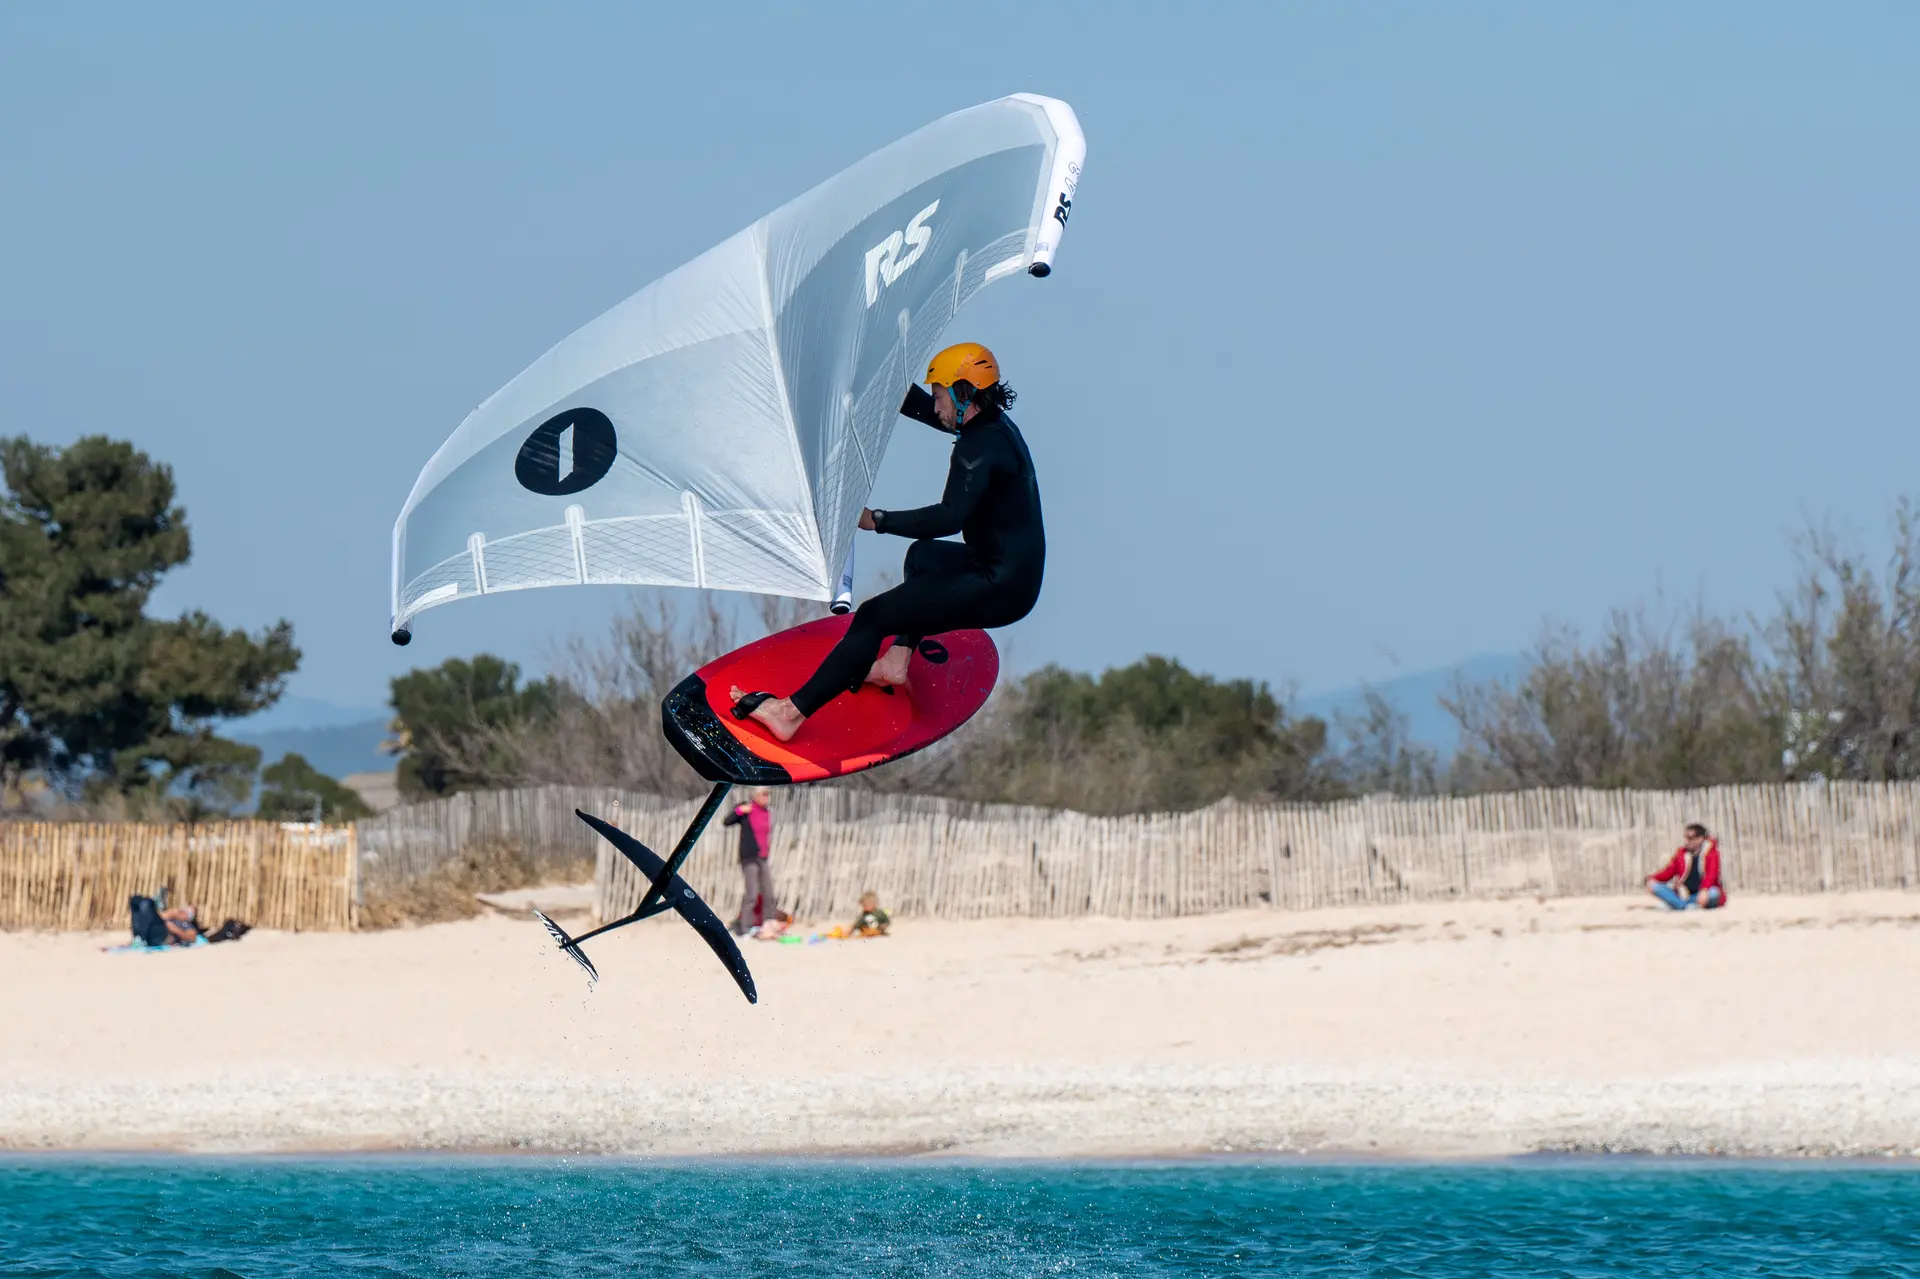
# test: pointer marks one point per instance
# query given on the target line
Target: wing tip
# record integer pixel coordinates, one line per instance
(568, 946)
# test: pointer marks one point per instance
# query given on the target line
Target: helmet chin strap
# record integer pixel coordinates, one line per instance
(960, 402)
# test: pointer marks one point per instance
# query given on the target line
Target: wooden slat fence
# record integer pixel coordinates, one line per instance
(952, 859)
(410, 841)
(937, 858)
(539, 822)
(78, 875)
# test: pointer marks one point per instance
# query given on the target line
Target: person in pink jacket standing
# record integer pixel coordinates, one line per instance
(755, 820)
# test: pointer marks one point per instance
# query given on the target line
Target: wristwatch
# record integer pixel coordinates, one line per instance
(878, 515)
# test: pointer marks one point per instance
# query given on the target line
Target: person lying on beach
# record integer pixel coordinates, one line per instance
(183, 924)
(774, 928)
(871, 921)
(1692, 878)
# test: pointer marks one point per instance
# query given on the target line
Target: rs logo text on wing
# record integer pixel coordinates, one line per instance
(885, 261)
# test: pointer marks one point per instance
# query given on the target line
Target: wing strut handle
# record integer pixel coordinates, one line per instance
(843, 601)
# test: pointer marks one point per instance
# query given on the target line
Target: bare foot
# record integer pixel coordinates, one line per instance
(778, 715)
(891, 669)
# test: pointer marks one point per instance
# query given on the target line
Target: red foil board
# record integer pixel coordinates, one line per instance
(948, 679)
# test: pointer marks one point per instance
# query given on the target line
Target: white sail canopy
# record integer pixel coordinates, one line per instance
(723, 426)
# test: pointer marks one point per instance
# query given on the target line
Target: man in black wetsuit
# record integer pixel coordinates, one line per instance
(991, 578)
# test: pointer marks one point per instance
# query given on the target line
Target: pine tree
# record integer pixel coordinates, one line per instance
(95, 695)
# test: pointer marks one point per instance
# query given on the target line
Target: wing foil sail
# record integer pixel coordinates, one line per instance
(722, 427)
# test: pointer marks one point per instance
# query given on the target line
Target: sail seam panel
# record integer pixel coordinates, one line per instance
(783, 391)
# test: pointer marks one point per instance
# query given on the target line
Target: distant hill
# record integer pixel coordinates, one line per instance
(336, 750)
(1417, 696)
(302, 712)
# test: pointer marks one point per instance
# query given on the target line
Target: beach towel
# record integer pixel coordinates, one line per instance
(139, 947)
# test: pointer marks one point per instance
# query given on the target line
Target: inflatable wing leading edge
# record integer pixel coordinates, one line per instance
(722, 427)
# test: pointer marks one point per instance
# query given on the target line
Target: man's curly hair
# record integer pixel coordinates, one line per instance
(999, 395)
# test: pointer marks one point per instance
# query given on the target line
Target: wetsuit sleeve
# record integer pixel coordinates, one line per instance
(967, 476)
(919, 406)
(731, 819)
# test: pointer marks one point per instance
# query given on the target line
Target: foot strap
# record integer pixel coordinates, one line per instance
(749, 703)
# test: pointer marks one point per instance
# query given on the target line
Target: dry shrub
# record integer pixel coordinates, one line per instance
(604, 728)
(33, 800)
(1826, 688)
(1150, 737)
(448, 891)
(1659, 702)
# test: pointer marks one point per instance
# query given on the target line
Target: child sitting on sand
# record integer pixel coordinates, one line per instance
(871, 921)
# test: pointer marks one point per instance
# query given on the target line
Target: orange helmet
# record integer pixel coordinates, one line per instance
(964, 362)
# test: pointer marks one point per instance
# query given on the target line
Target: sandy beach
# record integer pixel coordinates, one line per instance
(1781, 1026)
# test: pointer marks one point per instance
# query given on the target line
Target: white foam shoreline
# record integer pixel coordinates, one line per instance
(1847, 1111)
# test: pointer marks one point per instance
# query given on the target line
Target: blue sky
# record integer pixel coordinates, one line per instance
(1381, 333)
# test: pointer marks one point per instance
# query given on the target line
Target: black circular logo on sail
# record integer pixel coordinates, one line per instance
(580, 440)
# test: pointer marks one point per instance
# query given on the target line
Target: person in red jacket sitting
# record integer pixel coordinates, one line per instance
(1692, 878)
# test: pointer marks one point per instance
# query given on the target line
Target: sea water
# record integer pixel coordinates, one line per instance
(534, 1217)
